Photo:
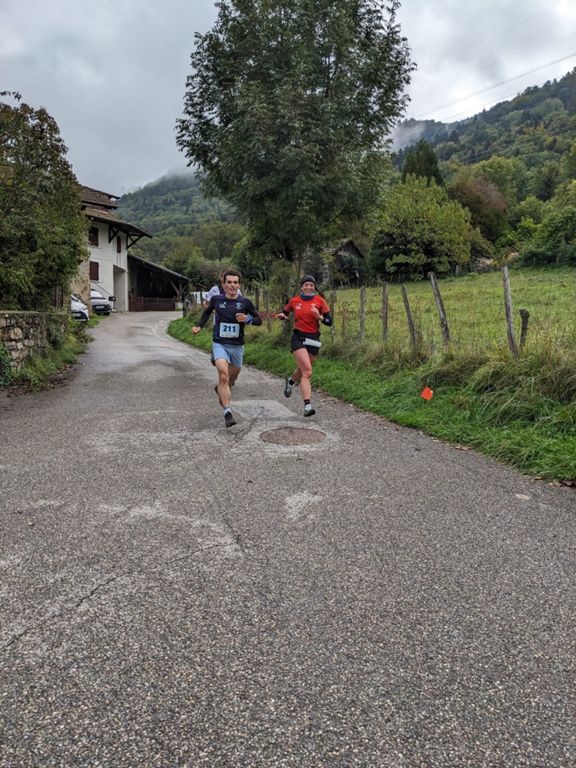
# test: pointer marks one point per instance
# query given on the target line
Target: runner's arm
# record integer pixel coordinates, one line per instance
(326, 314)
(283, 314)
(206, 314)
(253, 314)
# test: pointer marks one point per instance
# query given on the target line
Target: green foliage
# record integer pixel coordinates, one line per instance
(508, 175)
(42, 230)
(38, 371)
(254, 263)
(545, 179)
(183, 257)
(216, 239)
(530, 207)
(5, 366)
(421, 160)
(55, 333)
(172, 206)
(285, 111)
(554, 242)
(487, 205)
(421, 230)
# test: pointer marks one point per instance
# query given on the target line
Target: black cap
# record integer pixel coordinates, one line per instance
(308, 279)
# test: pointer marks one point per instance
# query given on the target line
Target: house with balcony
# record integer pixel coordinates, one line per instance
(109, 238)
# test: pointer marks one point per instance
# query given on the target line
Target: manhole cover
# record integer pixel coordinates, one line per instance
(293, 436)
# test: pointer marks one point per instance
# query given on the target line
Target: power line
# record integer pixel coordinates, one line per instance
(504, 29)
(497, 85)
(501, 100)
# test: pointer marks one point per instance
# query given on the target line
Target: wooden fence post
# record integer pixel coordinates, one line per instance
(411, 326)
(509, 315)
(362, 312)
(385, 288)
(267, 307)
(440, 307)
(344, 313)
(333, 311)
(525, 315)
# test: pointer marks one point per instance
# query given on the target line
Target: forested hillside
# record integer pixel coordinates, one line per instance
(173, 205)
(536, 126)
(505, 183)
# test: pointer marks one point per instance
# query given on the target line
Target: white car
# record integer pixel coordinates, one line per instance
(78, 309)
(100, 304)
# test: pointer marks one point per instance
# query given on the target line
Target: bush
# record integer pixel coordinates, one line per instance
(55, 333)
(5, 366)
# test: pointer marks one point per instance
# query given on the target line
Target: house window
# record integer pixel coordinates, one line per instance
(93, 236)
(118, 244)
(94, 271)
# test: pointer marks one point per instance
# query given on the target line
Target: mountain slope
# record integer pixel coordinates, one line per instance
(536, 126)
(173, 205)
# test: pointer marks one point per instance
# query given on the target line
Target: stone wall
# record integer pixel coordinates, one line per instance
(25, 334)
(81, 283)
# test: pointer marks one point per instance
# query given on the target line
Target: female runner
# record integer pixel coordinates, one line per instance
(310, 310)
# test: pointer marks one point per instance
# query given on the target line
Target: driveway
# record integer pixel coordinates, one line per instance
(326, 592)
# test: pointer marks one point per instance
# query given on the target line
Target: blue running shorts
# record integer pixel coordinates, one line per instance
(232, 354)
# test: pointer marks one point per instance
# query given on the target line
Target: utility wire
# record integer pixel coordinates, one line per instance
(500, 31)
(497, 85)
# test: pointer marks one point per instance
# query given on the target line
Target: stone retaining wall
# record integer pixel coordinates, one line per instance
(25, 334)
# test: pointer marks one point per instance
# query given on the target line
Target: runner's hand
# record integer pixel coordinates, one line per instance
(196, 329)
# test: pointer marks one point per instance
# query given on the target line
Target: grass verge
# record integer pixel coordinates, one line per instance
(45, 371)
(519, 411)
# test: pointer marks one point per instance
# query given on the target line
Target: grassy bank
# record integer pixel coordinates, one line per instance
(43, 371)
(522, 411)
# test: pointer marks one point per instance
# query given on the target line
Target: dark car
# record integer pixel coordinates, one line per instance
(100, 304)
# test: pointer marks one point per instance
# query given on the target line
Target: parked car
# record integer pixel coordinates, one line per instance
(78, 309)
(100, 304)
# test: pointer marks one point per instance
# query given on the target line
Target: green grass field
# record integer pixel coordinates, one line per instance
(474, 306)
(522, 411)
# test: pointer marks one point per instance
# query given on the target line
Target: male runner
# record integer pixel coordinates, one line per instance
(233, 312)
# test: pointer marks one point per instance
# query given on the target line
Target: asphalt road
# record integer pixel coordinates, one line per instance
(173, 593)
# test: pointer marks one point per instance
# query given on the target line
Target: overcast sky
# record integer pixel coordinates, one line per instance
(112, 73)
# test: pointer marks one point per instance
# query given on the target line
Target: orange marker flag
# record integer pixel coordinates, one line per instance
(427, 393)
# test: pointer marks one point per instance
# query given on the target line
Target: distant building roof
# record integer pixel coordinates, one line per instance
(101, 206)
(95, 197)
(158, 267)
(348, 247)
(100, 214)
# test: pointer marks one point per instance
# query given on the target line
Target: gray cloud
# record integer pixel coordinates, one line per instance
(113, 73)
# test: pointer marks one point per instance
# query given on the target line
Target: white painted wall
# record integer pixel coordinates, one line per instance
(113, 266)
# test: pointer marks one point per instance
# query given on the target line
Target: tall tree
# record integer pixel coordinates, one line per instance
(420, 230)
(287, 109)
(484, 200)
(421, 160)
(42, 231)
